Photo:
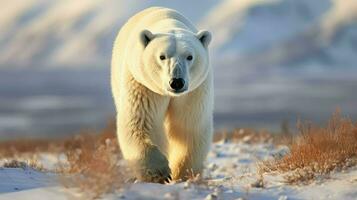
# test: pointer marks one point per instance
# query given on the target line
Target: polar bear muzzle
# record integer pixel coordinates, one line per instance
(177, 84)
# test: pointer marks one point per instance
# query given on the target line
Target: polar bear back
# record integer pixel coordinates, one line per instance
(157, 19)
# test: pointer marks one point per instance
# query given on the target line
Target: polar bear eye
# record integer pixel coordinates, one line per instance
(162, 57)
(189, 57)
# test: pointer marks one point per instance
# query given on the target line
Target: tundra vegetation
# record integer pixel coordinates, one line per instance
(93, 159)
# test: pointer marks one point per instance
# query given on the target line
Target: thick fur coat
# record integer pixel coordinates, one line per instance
(162, 86)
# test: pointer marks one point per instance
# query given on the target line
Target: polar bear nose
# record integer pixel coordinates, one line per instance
(177, 83)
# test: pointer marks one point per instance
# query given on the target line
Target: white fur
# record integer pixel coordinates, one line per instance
(154, 124)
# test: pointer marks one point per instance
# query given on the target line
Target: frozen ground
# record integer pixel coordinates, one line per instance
(230, 174)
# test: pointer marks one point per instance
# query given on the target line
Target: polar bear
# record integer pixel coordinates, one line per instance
(162, 86)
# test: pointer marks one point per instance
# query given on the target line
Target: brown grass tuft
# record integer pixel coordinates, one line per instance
(91, 164)
(317, 151)
(28, 164)
(94, 168)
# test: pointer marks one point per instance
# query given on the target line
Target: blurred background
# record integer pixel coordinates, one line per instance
(275, 61)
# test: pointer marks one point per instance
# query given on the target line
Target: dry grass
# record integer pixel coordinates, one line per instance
(92, 158)
(91, 164)
(317, 151)
(22, 146)
(94, 169)
(32, 164)
(195, 178)
(84, 139)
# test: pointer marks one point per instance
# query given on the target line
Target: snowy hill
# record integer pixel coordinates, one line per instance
(286, 32)
(41, 33)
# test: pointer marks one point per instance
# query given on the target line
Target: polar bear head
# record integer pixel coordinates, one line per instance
(174, 63)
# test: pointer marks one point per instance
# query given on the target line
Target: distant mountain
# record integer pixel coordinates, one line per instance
(59, 33)
(72, 34)
(286, 33)
(66, 33)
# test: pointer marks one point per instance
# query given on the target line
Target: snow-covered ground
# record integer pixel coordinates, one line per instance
(231, 173)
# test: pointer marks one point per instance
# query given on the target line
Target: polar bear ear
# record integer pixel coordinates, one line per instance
(205, 37)
(146, 36)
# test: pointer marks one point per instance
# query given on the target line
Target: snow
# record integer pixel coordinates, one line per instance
(18, 179)
(228, 18)
(11, 12)
(339, 15)
(231, 173)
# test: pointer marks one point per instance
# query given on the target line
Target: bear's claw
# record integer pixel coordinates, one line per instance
(168, 179)
(154, 167)
(158, 176)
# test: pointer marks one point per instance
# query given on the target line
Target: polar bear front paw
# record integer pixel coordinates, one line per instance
(154, 167)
